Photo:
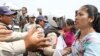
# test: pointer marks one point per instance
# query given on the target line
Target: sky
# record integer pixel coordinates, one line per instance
(52, 7)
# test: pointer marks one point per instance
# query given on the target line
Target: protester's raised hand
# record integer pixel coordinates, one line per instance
(35, 39)
(2, 27)
(66, 51)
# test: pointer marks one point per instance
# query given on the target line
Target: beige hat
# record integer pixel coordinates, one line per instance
(11, 6)
(31, 15)
(51, 21)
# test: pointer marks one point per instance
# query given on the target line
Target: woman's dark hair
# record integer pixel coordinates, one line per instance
(70, 22)
(24, 8)
(93, 12)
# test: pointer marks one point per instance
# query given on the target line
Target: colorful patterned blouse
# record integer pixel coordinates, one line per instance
(88, 46)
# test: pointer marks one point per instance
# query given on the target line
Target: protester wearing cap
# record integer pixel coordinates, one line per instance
(50, 32)
(16, 43)
(6, 15)
(41, 21)
(30, 23)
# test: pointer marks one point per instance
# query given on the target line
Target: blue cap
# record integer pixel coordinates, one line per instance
(4, 10)
(41, 17)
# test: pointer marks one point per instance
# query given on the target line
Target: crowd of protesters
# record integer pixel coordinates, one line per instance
(48, 35)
